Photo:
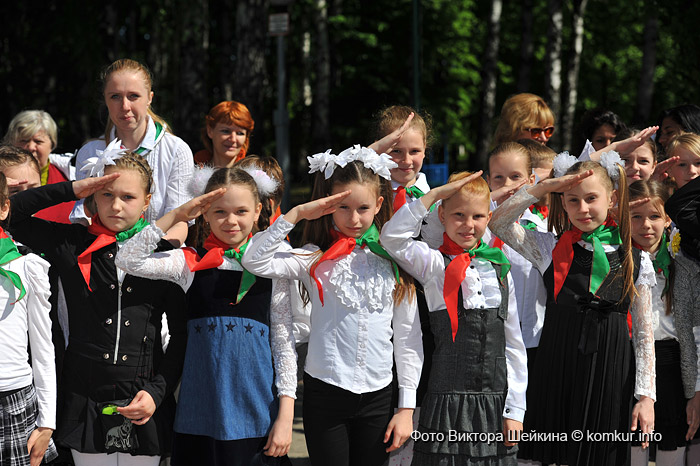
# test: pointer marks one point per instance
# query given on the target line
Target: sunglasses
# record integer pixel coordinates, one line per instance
(534, 132)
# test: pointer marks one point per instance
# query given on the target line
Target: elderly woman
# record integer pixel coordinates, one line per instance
(36, 132)
(524, 116)
(226, 135)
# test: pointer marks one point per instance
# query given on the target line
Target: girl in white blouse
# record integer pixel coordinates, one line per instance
(363, 313)
(27, 388)
(479, 370)
(673, 332)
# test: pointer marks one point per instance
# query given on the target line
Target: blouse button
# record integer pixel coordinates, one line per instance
(108, 321)
(128, 289)
(105, 356)
(110, 255)
(482, 306)
(112, 286)
(127, 323)
(478, 292)
(145, 339)
(507, 410)
(471, 266)
(125, 357)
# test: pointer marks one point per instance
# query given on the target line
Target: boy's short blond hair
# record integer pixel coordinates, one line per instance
(541, 156)
(477, 188)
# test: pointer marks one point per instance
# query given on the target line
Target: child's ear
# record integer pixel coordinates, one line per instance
(532, 178)
(667, 223)
(613, 199)
(441, 214)
(5, 210)
(257, 211)
(488, 218)
(147, 202)
(380, 201)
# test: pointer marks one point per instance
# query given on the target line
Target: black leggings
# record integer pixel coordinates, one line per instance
(343, 428)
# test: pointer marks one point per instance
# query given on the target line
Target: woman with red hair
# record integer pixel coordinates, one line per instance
(225, 135)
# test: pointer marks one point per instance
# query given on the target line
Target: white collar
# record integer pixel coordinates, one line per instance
(149, 139)
(421, 183)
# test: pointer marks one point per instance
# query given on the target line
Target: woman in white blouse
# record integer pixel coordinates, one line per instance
(128, 95)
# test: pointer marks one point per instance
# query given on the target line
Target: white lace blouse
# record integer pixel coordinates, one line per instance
(350, 344)
(537, 247)
(480, 290)
(136, 258)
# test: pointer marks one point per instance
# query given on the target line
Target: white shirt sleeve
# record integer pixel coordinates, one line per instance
(181, 169)
(265, 255)
(643, 331)
(415, 257)
(516, 360)
(284, 354)
(408, 350)
(78, 214)
(39, 329)
(137, 258)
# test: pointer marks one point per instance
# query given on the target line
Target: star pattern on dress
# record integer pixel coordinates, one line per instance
(248, 328)
(211, 326)
(230, 326)
(262, 332)
(198, 329)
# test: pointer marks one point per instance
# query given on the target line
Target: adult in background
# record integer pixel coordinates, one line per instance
(600, 126)
(226, 135)
(36, 131)
(127, 91)
(677, 120)
(524, 116)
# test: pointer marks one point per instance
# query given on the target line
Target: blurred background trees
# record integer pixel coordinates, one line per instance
(346, 59)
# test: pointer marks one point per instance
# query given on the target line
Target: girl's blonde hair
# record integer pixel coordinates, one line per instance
(520, 112)
(514, 147)
(129, 161)
(559, 221)
(317, 231)
(128, 65)
(391, 119)
(688, 141)
(222, 178)
(658, 195)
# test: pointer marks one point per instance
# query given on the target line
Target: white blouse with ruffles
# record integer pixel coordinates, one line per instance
(350, 344)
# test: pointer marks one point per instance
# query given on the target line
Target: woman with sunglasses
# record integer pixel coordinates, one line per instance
(524, 116)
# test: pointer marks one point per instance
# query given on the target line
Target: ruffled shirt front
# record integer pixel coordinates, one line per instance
(350, 344)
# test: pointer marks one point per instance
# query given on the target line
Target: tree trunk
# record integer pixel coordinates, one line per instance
(250, 79)
(645, 91)
(572, 69)
(193, 68)
(488, 84)
(552, 75)
(525, 46)
(321, 138)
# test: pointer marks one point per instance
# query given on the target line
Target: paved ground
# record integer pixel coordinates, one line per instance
(298, 453)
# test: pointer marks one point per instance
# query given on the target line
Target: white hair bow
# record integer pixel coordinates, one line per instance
(95, 166)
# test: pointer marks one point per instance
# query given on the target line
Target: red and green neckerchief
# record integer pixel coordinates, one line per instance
(9, 252)
(343, 245)
(216, 251)
(542, 212)
(457, 269)
(563, 254)
(401, 195)
(105, 237)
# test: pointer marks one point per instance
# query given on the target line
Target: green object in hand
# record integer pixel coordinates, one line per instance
(110, 410)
